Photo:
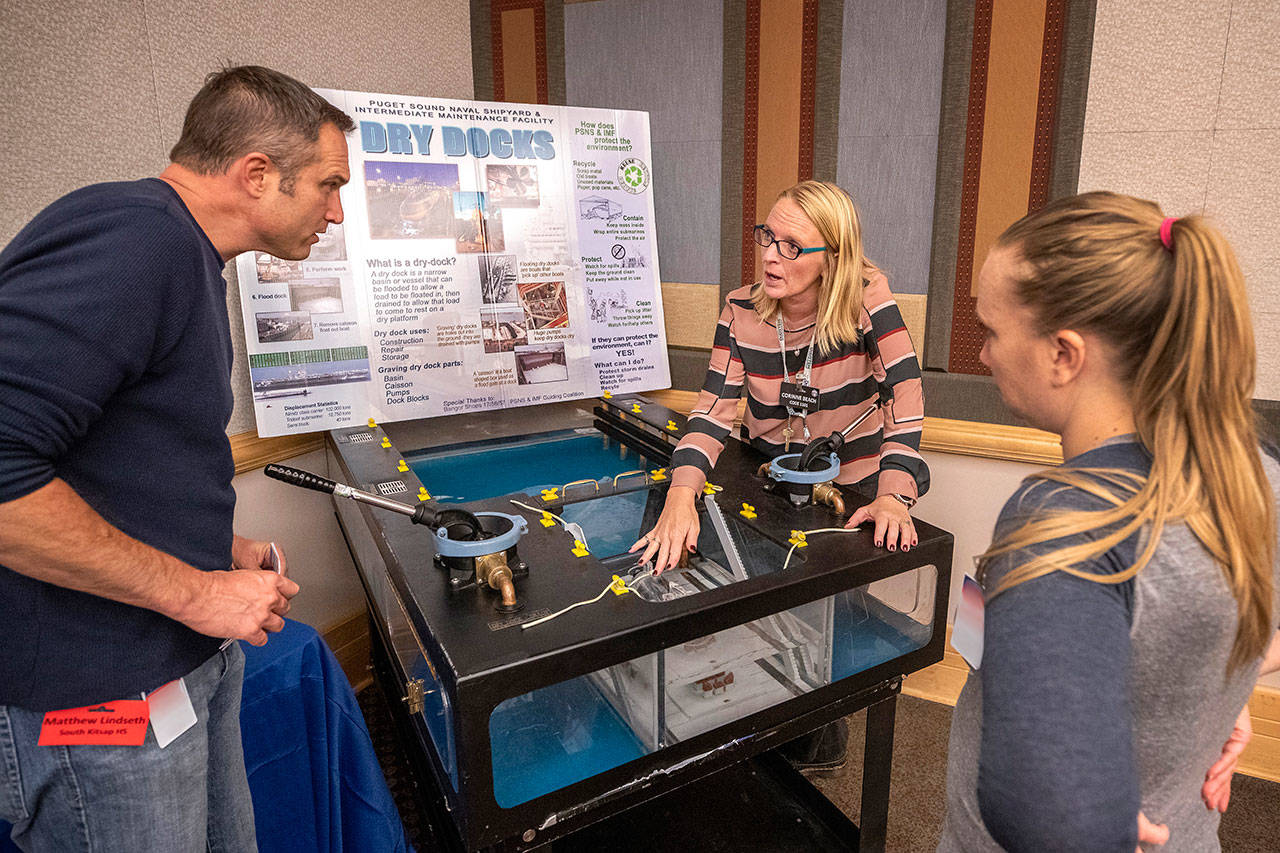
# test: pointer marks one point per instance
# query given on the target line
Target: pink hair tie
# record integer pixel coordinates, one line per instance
(1166, 232)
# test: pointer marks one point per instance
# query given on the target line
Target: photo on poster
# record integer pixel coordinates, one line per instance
(273, 269)
(284, 326)
(410, 201)
(598, 207)
(497, 278)
(503, 329)
(512, 186)
(477, 224)
(545, 304)
(298, 380)
(332, 245)
(316, 295)
(604, 304)
(541, 363)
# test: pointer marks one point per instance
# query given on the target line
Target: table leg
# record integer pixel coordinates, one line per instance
(877, 759)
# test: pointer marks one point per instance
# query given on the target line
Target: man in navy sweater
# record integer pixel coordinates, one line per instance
(119, 571)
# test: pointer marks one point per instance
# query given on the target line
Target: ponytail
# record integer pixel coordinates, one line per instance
(1170, 298)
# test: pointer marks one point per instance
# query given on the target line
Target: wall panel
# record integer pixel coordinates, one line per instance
(665, 41)
(892, 85)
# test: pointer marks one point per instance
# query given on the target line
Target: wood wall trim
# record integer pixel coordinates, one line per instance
(941, 435)
(991, 441)
(349, 641)
(250, 451)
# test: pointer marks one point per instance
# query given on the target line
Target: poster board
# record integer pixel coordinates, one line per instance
(492, 255)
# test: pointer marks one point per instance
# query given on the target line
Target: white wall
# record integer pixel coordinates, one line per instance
(1184, 109)
(965, 499)
(301, 522)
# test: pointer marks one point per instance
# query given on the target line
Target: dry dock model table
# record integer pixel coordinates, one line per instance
(646, 717)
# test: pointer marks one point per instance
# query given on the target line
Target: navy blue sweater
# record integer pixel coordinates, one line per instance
(115, 360)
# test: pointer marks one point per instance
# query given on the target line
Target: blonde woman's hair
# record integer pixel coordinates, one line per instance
(844, 267)
(1178, 321)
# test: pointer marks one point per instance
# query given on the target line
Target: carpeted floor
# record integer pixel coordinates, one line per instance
(916, 793)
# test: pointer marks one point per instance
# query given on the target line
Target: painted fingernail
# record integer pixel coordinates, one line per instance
(893, 547)
(878, 543)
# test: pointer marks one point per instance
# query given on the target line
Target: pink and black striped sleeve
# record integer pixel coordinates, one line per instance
(712, 417)
(897, 373)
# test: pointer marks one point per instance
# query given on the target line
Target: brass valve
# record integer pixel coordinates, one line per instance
(827, 493)
(492, 569)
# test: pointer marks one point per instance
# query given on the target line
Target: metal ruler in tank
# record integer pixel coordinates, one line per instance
(796, 659)
(718, 524)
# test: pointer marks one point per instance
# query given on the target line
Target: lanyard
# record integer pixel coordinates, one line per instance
(802, 378)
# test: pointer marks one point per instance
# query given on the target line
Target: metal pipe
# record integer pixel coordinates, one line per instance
(507, 588)
(373, 500)
(828, 494)
(859, 419)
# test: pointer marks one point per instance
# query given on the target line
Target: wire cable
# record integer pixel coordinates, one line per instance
(603, 593)
(535, 509)
(787, 561)
(625, 584)
(575, 530)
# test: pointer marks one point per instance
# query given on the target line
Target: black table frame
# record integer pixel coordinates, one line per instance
(699, 757)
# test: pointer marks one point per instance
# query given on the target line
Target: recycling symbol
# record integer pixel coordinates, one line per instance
(633, 175)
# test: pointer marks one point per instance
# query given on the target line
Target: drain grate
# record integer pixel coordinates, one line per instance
(391, 487)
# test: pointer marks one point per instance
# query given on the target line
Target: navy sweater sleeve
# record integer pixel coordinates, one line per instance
(70, 330)
(1056, 767)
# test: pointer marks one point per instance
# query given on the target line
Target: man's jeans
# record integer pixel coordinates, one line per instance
(192, 795)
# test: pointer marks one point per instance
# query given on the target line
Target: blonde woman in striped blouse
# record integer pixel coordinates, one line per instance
(822, 317)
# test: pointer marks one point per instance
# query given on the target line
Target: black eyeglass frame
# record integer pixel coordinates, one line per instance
(765, 238)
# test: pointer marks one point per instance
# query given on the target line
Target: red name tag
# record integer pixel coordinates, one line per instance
(122, 723)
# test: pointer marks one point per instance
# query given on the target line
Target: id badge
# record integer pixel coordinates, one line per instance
(967, 632)
(801, 398)
(171, 711)
(119, 723)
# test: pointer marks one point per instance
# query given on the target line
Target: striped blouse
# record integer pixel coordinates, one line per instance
(881, 365)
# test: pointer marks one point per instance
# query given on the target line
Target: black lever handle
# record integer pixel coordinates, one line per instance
(294, 477)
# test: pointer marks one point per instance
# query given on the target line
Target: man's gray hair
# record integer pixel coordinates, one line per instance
(251, 108)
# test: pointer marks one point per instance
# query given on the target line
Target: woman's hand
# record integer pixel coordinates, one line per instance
(1150, 833)
(1216, 791)
(675, 532)
(893, 522)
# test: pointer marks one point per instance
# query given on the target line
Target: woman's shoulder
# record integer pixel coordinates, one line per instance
(1119, 464)
(741, 297)
(875, 289)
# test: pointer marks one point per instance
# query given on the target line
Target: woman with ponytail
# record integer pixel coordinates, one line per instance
(1131, 592)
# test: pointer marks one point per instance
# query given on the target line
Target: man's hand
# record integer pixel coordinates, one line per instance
(52, 535)
(1216, 791)
(253, 554)
(242, 605)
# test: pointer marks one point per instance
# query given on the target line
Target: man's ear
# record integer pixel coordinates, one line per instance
(253, 172)
(1069, 354)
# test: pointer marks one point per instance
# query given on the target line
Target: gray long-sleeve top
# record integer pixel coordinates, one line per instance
(1094, 700)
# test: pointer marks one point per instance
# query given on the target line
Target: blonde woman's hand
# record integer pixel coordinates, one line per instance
(1150, 833)
(675, 532)
(1216, 791)
(894, 527)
